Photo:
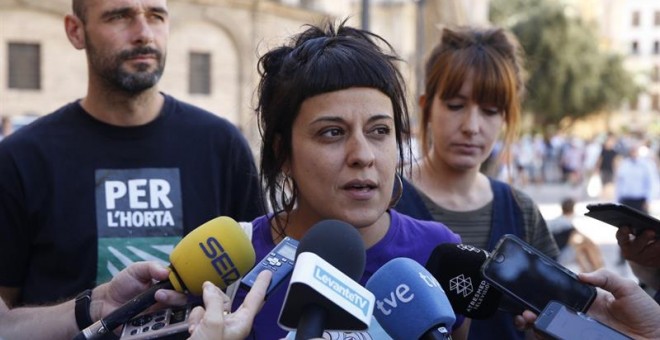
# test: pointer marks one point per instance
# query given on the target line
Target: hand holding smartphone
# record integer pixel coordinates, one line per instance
(559, 322)
(620, 215)
(534, 279)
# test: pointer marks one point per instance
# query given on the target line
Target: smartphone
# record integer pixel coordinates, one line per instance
(559, 322)
(622, 215)
(280, 261)
(170, 323)
(532, 278)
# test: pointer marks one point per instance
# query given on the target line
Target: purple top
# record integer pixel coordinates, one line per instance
(406, 237)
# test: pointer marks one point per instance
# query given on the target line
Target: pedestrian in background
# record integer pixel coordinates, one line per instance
(577, 251)
(605, 166)
(636, 180)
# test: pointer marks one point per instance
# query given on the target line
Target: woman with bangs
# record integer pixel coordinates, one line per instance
(473, 92)
(333, 119)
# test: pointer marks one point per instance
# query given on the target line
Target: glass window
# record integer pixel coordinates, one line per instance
(24, 66)
(199, 77)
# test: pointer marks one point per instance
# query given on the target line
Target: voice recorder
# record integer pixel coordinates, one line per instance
(170, 323)
(280, 261)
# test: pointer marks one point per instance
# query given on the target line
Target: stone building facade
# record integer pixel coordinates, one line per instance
(213, 48)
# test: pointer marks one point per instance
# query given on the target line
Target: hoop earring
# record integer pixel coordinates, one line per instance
(398, 192)
(288, 185)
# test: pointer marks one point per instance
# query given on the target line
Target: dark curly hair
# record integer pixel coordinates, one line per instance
(320, 60)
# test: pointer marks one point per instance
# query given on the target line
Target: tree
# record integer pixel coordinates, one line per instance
(569, 76)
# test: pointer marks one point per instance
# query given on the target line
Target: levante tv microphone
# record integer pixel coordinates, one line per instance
(323, 293)
(218, 251)
(457, 268)
(410, 303)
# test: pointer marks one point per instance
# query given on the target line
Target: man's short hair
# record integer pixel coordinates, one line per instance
(78, 7)
(567, 205)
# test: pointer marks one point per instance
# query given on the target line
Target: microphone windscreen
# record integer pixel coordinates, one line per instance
(338, 243)
(218, 251)
(458, 269)
(323, 293)
(409, 300)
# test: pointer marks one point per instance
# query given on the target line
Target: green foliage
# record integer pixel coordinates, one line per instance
(568, 74)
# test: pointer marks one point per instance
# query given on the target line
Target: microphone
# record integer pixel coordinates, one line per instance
(410, 303)
(218, 251)
(323, 292)
(457, 268)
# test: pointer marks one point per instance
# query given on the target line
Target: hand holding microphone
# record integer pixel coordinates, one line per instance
(218, 251)
(58, 322)
(410, 303)
(133, 280)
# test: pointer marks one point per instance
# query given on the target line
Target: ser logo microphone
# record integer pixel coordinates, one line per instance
(220, 260)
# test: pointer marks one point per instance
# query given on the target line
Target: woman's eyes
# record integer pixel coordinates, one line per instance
(382, 130)
(491, 112)
(336, 132)
(331, 132)
(455, 107)
(487, 110)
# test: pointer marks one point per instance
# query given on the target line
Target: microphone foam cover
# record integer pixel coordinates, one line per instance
(218, 251)
(458, 269)
(338, 243)
(409, 300)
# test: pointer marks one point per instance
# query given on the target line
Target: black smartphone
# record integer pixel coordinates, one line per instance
(169, 323)
(620, 215)
(560, 322)
(280, 261)
(534, 279)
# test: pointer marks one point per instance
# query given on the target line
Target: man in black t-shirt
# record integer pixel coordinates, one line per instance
(120, 175)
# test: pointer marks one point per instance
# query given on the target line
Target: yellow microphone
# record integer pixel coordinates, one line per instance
(218, 251)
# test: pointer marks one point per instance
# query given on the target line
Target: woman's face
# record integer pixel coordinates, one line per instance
(344, 156)
(464, 131)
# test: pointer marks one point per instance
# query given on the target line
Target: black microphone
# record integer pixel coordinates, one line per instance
(323, 293)
(457, 268)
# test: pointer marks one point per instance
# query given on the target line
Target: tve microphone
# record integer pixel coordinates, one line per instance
(218, 251)
(410, 303)
(323, 293)
(457, 268)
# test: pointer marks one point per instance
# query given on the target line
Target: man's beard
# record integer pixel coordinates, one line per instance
(109, 68)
